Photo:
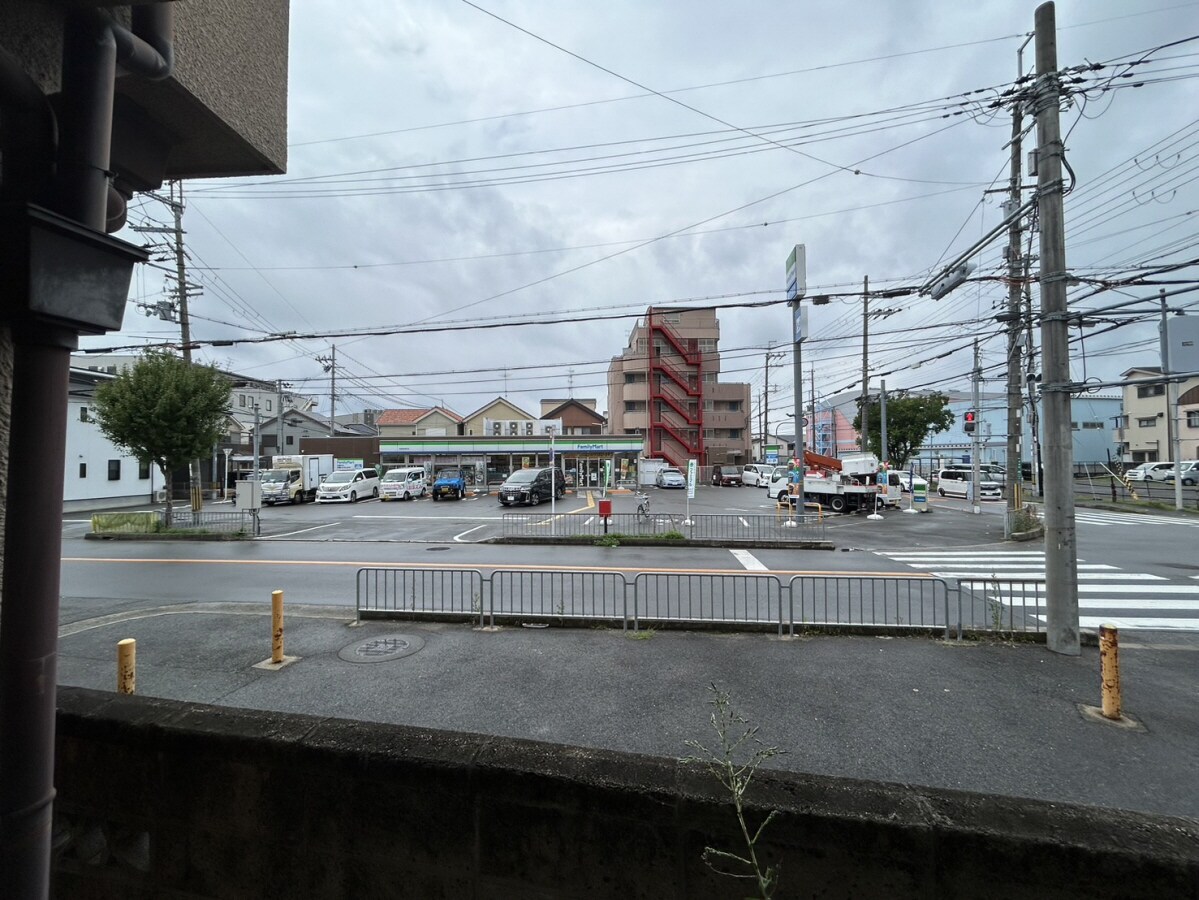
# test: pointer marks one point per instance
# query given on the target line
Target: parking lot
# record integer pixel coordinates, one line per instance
(478, 517)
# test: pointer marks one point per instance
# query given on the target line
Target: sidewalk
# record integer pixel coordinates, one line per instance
(978, 717)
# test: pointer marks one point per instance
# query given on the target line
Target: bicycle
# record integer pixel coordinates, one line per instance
(642, 506)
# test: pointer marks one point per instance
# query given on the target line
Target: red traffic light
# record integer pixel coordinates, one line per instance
(968, 420)
(969, 415)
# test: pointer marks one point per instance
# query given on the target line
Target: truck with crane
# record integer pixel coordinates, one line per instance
(842, 485)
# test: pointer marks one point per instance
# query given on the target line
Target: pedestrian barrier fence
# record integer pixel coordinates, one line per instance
(182, 519)
(723, 527)
(757, 600)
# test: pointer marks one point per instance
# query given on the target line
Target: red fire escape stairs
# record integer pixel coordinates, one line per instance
(675, 382)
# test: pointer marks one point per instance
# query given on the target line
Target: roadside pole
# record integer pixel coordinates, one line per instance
(975, 447)
(1061, 549)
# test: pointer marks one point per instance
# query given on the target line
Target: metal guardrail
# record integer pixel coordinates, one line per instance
(182, 519)
(210, 520)
(916, 602)
(724, 527)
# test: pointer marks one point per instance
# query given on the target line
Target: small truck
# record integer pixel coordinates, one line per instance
(294, 479)
(449, 483)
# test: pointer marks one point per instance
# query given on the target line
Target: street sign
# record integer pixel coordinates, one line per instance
(797, 274)
(691, 470)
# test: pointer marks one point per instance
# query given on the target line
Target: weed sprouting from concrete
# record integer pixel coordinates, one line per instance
(733, 761)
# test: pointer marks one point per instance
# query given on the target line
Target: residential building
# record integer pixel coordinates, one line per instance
(436, 421)
(665, 386)
(1144, 430)
(99, 475)
(576, 416)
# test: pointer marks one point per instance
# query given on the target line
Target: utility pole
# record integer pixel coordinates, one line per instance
(1015, 430)
(1061, 548)
(865, 415)
(329, 363)
(812, 407)
(1172, 449)
(975, 401)
(279, 413)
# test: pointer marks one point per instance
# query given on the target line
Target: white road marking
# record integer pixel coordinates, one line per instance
(301, 531)
(458, 537)
(748, 560)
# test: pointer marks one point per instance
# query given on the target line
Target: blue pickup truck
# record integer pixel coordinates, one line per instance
(449, 483)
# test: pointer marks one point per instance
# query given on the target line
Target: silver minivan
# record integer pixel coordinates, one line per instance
(757, 474)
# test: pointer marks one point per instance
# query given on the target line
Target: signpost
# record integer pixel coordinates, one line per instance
(692, 470)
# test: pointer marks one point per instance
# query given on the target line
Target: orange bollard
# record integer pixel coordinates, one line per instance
(1109, 667)
(126, 666)
(276, 627)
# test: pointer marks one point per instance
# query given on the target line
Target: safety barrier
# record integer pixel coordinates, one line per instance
(755, 600)
(723, 527)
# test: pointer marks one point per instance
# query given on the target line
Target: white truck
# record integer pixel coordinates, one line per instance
(294, 479)
(847, 484)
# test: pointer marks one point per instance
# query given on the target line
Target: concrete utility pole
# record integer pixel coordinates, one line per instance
(975, 448)
(1172, 428)
(330, 365)
(1061, 547)
(1015, 430)
(865, 415)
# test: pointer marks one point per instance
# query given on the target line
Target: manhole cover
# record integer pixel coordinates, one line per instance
(381, 648)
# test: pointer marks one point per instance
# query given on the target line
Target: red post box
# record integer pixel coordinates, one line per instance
(605, 508)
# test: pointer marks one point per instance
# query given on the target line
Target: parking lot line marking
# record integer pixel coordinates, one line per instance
(748, 560)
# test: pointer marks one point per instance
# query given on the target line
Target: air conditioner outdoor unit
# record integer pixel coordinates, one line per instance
(497, 428)
(528, 427)
(513, 428)
(160, 495)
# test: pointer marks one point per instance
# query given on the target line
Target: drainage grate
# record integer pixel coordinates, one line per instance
(382, 648)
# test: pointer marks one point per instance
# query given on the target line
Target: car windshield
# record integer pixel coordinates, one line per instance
(274, 476)
(448, 473)
(340, 478)
(523, 476)
(672, 472)
(394, 475)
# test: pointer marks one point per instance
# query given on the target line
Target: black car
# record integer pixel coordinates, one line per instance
(531, 486)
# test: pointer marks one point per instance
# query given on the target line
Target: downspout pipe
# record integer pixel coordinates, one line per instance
(80, 190)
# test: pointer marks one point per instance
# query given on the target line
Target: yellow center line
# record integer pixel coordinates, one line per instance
(470, 568)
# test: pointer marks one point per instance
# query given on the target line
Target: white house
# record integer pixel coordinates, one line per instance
(98, 475)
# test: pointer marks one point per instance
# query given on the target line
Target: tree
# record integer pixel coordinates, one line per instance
(911, 420)
(165, 411)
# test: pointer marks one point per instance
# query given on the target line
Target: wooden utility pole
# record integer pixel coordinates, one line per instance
(1061, 548)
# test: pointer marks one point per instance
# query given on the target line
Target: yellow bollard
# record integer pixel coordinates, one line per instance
(1109, 667)
(126, 666)
(276, 627)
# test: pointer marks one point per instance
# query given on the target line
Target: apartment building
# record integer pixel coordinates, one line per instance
(1144, 431)
(672, 395)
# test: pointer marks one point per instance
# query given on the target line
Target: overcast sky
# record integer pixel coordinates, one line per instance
(454, 165)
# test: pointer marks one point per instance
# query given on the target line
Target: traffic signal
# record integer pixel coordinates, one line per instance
(969, 420)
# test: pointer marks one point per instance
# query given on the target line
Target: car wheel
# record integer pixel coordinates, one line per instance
(1188, 481)
(837, 504)
(435, 497)
(353, 497)
(407, 496)
(375, 492)
(534, 499)
(461, 493)
(941, 491)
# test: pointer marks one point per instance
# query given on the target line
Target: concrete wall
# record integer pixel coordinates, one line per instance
(158, 798)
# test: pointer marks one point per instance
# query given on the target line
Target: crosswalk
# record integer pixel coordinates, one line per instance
(1105, 517)
(1106, 593)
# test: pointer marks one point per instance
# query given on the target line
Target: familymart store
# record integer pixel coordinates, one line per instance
(585, 459)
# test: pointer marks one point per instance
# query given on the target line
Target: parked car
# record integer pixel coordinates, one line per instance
(757, 474)
(1150, 471)
(726, 476)
(670, 477)
(531, 486)
(403, 483)
(954, 483)
(908, 479)
(1188, 469)
(449, 483)
(989, 471)
(348, 486)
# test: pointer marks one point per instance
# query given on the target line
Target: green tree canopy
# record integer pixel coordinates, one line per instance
(164, 410)
(911, 420)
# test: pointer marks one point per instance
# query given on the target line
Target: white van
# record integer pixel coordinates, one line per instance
(403, 483)
(348, 486)
(757, 474)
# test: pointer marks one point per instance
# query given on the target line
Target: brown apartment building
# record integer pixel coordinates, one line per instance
(674, 396)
